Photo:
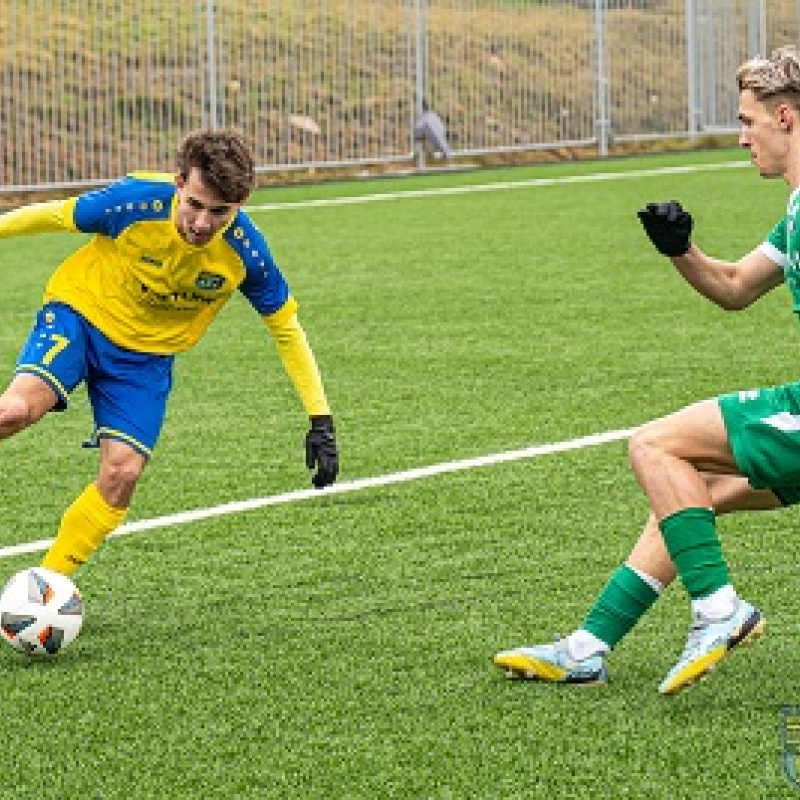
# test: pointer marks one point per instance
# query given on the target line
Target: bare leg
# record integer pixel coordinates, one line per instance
(670, 455)
(683, 462)
(26, 400)
(121, 467)
(728, 493)
(672, 458)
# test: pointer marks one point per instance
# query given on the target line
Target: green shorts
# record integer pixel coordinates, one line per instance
(763, 428)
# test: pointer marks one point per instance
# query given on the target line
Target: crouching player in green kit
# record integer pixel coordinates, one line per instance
(737, 452)
(167, 252)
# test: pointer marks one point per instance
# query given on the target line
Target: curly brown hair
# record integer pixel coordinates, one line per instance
(224, 160)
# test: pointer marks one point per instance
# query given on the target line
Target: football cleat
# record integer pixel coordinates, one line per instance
(553, 663)
(708, 643)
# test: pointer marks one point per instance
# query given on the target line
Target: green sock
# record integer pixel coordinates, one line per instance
(691, 539)
(619, 606)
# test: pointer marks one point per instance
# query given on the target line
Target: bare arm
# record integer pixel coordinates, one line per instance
(732, 285)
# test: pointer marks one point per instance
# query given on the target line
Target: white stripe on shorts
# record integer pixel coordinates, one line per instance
(784, 421)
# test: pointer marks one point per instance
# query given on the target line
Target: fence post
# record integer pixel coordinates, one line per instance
(757, 29)
(212, 69)
(693, 105)
(601, 80)
(420, 67)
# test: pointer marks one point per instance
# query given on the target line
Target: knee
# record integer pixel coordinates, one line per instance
(118, 477)
(26, 400)
(16, 413)
(645, 445)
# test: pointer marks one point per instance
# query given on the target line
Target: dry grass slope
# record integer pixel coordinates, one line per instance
(95, 93)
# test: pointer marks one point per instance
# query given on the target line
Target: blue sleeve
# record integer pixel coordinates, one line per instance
(112, 209)
(264, 285)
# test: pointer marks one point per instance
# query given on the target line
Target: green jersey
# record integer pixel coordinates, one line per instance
(763, 425)
(783, 247)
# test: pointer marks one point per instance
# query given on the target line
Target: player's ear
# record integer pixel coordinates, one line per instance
(786, 117)
(180, 180)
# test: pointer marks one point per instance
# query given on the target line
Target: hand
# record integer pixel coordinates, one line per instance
(321, 451)
(668, 226)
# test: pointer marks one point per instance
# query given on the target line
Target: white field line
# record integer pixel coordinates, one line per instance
(240, 506)
(501, 185)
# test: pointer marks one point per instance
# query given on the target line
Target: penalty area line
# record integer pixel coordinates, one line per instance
(359, 484)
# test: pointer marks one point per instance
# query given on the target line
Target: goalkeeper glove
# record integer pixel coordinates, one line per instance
(668, 226)
(321, 451)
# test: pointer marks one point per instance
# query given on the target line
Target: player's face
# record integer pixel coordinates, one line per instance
(763, 133)
(200, 213)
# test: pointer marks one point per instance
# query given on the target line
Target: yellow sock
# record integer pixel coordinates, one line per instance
(84, 525)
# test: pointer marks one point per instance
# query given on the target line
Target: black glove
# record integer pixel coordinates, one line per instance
(321, 451)
(668, 226)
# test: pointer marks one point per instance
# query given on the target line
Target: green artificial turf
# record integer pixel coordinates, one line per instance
(340, 646)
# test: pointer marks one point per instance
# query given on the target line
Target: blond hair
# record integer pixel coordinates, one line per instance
(775, 77)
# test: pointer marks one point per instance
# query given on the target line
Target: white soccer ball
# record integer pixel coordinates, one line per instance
(41, 612)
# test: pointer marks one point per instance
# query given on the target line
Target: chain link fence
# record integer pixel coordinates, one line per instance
(92, 89)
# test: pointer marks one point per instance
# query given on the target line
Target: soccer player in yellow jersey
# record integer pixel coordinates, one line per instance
(166, 254)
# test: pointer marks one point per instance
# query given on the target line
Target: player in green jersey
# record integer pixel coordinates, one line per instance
(735, 452)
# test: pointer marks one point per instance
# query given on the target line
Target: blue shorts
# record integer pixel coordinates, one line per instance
(127, 390)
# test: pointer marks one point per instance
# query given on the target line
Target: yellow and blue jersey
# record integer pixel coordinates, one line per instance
(147, 290)
(141, 284)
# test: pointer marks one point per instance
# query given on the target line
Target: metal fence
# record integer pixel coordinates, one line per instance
(91, 89)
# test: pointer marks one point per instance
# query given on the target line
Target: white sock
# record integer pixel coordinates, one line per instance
(581, 644)
(718, 605)
(654, 583)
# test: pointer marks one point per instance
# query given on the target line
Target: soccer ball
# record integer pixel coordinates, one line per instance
(41, 612)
